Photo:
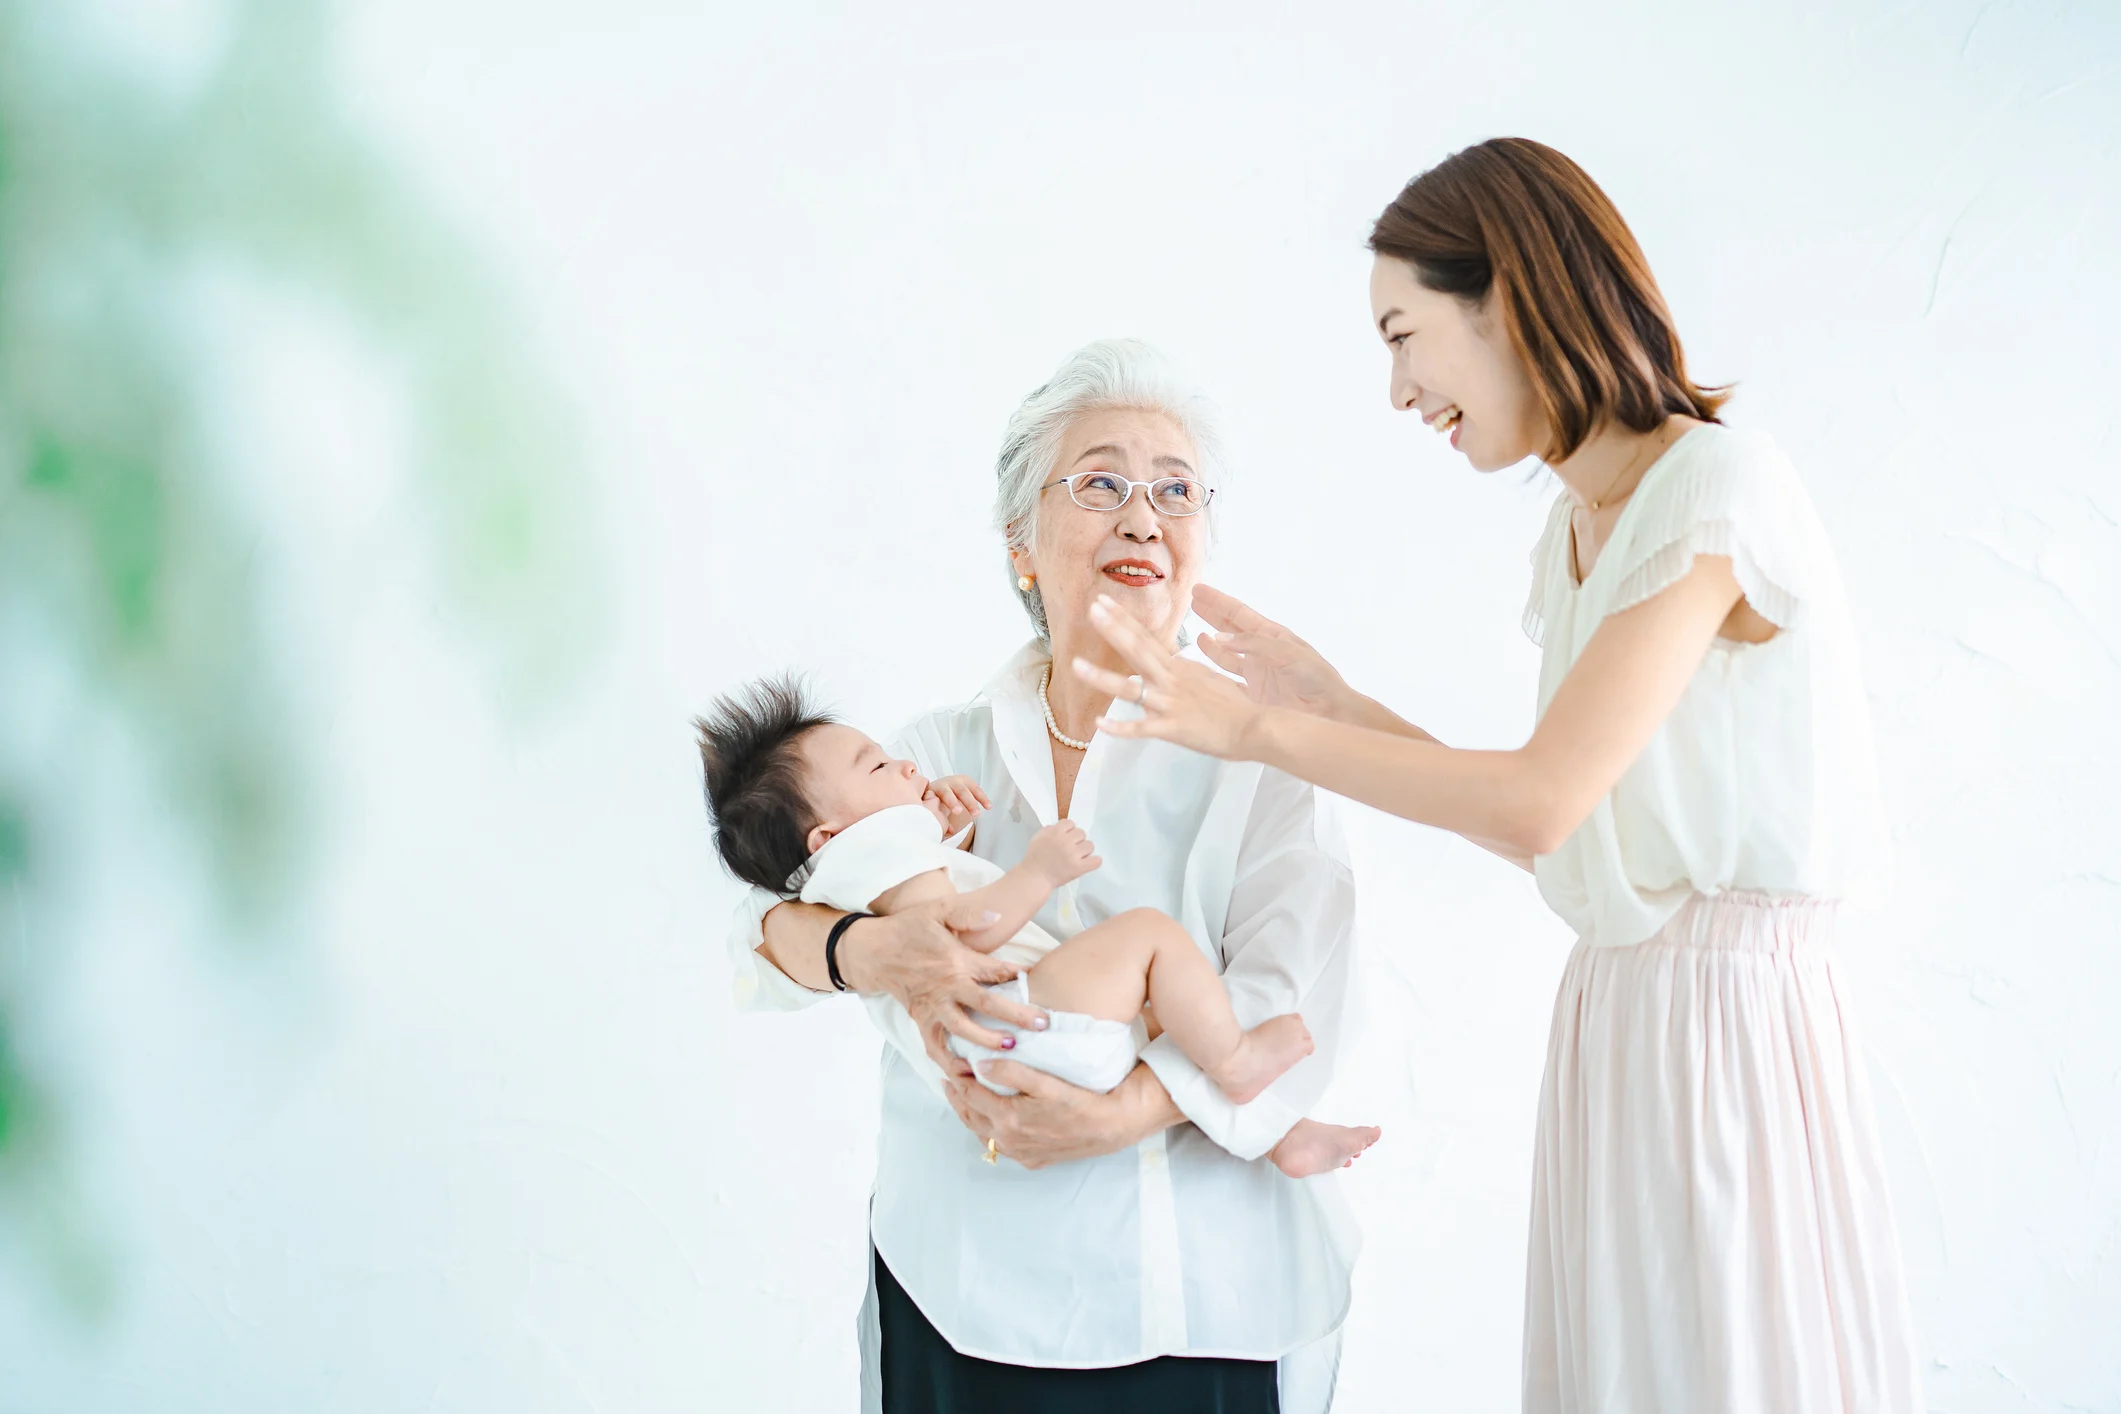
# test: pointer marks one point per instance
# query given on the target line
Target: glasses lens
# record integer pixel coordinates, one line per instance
(1098, 490)
(1179, 496)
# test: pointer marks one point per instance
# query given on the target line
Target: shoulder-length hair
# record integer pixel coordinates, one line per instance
(1573, 289)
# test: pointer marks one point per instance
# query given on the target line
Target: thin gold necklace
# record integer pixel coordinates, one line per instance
(1593, 506)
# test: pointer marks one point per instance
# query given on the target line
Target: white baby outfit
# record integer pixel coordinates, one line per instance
(879, 852)
(1711, 1228)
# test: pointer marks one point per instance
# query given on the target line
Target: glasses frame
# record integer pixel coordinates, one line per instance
(1147, 486)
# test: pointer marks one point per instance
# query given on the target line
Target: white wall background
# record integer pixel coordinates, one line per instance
(495, 1141)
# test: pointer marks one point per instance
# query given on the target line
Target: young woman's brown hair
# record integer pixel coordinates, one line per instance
(1573, 288)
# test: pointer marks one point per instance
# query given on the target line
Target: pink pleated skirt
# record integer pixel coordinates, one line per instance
(1711, 1231)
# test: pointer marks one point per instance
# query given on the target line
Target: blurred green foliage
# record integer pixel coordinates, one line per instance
(134, 628)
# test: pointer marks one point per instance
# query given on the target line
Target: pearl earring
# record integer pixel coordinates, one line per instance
(1023, 584)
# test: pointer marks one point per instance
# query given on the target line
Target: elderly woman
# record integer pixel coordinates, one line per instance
(1060, 1249)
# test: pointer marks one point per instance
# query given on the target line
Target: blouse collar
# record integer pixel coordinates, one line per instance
(1020, 726)
(1020, 730)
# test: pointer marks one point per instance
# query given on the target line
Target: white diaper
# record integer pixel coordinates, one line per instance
(1082, 1050)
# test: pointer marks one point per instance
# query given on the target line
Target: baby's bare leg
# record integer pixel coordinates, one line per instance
(1102, 971)
(1142, 955)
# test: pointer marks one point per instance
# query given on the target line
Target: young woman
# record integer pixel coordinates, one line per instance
(1710, 1225)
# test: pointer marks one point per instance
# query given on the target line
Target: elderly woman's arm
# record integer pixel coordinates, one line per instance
(1282, 670)
(1052, 1122)
(914, 956)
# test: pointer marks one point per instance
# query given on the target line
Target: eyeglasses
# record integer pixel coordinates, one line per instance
(1106, 491)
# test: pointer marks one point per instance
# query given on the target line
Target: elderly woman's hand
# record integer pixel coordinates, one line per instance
(915, 956)
(1182, 702)
(1279, 669)
(1051, 1122)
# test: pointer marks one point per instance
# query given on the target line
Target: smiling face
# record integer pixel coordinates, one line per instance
(1452, 363)
(847, 777)
(1147, 561)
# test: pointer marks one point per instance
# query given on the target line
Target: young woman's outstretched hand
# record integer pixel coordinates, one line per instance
(1184, 703)
(1279, 669)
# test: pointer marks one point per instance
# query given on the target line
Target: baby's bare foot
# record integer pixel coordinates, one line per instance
(1262, 1056)
(1314, 1148)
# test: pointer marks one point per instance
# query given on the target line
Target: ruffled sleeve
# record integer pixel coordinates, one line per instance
(1718, 493)
(1552, 541)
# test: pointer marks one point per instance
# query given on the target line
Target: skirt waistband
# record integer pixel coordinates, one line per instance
(1749, 922)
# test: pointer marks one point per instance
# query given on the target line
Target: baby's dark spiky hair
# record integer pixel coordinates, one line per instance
(762, 817)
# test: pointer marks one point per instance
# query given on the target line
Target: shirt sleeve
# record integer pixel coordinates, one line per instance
(756, 983)
(760, 986)
(1288, 945)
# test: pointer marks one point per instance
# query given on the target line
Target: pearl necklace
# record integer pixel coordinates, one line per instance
(1052, 726)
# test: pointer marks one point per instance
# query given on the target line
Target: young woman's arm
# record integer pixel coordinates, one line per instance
(1630, 676)
(1280, 669)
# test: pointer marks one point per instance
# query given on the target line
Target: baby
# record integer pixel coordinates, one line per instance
(805, 805)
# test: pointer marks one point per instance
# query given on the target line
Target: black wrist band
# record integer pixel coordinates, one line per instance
(832, 948)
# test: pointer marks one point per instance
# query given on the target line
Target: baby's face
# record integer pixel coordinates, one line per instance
(848, 777)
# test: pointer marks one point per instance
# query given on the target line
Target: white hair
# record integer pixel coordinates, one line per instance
(1111, 373)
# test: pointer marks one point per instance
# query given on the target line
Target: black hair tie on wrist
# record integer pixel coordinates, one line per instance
(832, 948)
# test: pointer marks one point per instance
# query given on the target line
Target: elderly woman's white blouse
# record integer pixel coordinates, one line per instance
(1762, 779)
(1187, 1242)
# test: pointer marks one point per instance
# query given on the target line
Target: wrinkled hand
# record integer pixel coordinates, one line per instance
(1279, 669)
(961, 800)
(1183, 702)
(915, 956)
(1061, 852)
(1048, 1122)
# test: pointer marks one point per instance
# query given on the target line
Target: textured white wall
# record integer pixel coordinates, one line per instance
(495, 1141)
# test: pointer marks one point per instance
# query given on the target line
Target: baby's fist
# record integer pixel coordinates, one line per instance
(959, 798)
(1062, 852)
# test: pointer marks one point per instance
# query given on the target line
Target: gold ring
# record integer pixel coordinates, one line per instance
(992, 1153)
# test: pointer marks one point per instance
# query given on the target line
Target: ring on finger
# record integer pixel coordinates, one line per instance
(1141, 689)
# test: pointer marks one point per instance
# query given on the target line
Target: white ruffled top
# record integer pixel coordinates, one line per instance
(1762, 779)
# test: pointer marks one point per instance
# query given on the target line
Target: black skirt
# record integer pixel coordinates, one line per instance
(923, 1375)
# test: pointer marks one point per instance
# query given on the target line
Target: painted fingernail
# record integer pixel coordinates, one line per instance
(990, 916)
(1038, 1023)
(1008, 1043)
